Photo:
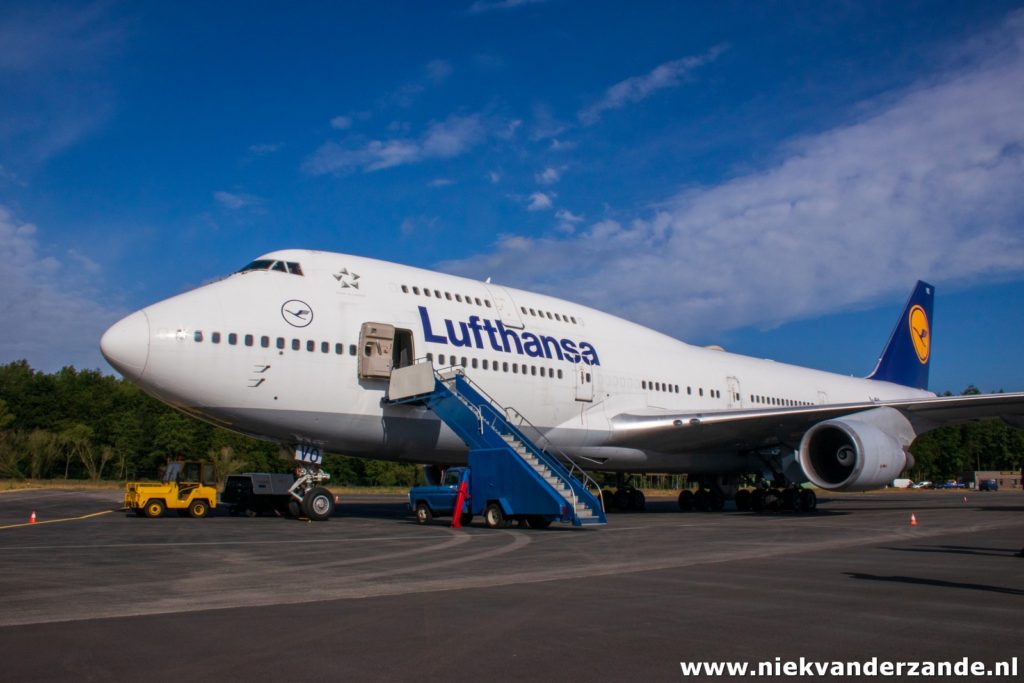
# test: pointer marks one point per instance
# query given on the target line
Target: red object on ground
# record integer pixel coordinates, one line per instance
(913, 519)
(457, 510)
(32, 518)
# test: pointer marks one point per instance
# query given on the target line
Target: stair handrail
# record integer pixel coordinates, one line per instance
(560, 456)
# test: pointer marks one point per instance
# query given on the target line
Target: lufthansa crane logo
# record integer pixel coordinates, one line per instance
(297, 313)
(920, 333)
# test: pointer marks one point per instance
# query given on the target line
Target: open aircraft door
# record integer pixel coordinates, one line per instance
(383, 347)
(505, 306)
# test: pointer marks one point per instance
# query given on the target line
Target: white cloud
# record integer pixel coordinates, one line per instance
(265, 148)
(440, 182)
(927, 185)
(568, 216)
(638, 88)
(482, 6)
(52, 313)
(438, 70)
(442, 140)
(549, 176)
(539, 201)
(235, 200)
(494, 177)
(341, 122)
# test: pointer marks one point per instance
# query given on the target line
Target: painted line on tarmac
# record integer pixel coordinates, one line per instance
(176, 544)
(55, 521)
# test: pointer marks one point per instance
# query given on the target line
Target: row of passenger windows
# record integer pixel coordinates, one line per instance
(496, 366)
(674, 389)
(775, 401)
(549, 315)
(438, 294)
(280, 343)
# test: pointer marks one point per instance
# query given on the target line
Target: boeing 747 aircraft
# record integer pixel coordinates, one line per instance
(298, 347)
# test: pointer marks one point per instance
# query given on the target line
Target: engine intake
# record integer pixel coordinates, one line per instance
(847, 454)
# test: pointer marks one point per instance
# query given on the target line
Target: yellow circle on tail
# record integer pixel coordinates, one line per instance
(920, 333)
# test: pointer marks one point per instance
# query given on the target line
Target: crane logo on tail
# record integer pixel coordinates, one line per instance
(920, 333)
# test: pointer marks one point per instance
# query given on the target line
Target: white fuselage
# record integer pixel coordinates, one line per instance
(276, 355)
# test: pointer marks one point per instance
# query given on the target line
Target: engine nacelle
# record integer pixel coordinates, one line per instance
(850, 454)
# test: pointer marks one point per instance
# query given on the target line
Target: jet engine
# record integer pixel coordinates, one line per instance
(850, 454)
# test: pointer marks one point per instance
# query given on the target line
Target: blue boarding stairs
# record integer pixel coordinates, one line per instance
(506, 466)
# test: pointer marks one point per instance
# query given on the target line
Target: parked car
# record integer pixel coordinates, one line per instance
(952, 485)
(921, 485)
(988, 485)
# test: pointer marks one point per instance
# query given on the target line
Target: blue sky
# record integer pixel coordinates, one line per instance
(773, 177)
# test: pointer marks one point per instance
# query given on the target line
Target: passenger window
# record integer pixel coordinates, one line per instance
(559, 373)
(474, 363)
(416, 291)
(426, 292)
(700, 392)
(533, 370)
(558, 317)
(280, 342)
(515, 368)
(458, 297)
(573, 318)
(448, 296)
(215, 337)
(437, 294)
(405, 289)
(478, 301)
(440, 359)
(464, 364)
(296, 345)
(325, 347)
(339, 349)
(198, 335)
(310, 345)
(643, 384)
(352, 350)
(248, 340)
(523, 309)
(487, 303)
(485, 364)
(504, 367)
(265, 341)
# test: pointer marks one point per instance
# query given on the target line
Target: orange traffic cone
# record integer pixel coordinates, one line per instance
(913, 519)
(32, 518)
(965, 499)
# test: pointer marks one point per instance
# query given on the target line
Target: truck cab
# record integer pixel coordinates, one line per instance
(438, 500)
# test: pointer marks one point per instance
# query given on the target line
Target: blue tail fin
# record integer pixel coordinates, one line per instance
(908, 353)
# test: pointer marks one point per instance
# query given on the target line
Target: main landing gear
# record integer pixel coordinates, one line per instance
(711, 497)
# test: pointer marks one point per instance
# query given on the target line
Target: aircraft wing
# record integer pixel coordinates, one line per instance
(737, 430)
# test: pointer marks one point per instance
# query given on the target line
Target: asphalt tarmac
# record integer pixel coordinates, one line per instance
(372, 596)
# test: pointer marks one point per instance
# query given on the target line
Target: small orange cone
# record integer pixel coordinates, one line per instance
(913, 519)
(32, 519)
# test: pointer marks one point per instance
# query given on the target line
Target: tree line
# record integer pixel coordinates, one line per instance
(82, 424)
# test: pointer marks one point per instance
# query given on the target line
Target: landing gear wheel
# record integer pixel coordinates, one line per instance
(716, 501)
(318, 504)
(538, 522)
(808, 500)
(608, 498)
(154, 508)
(743, 500)
(423, 513)
(791, 500)
(494, 517)
(757, 500)
(637, 500)
(701, 500)
(686, 500)
(198, 509)
(294, 508)
(621, 499)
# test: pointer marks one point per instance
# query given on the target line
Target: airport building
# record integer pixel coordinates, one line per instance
(1005, 479)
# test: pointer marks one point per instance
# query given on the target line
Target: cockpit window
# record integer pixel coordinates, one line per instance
(270, 264)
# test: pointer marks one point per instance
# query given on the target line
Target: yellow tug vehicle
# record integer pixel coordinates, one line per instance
(186, 487)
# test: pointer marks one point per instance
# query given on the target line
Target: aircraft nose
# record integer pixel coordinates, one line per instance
(126, 345)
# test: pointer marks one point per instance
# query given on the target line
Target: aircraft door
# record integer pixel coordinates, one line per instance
(584, 382)
(735, 395)
(505, 306)
(376, 350)
(822, 398)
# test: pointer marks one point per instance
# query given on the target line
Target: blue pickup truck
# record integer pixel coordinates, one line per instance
(439, 500)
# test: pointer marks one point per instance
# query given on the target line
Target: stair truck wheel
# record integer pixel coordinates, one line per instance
(154, 507)
(318, 504)
(423, 513)
(494, 516)
(686, 500)
(199, 508)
